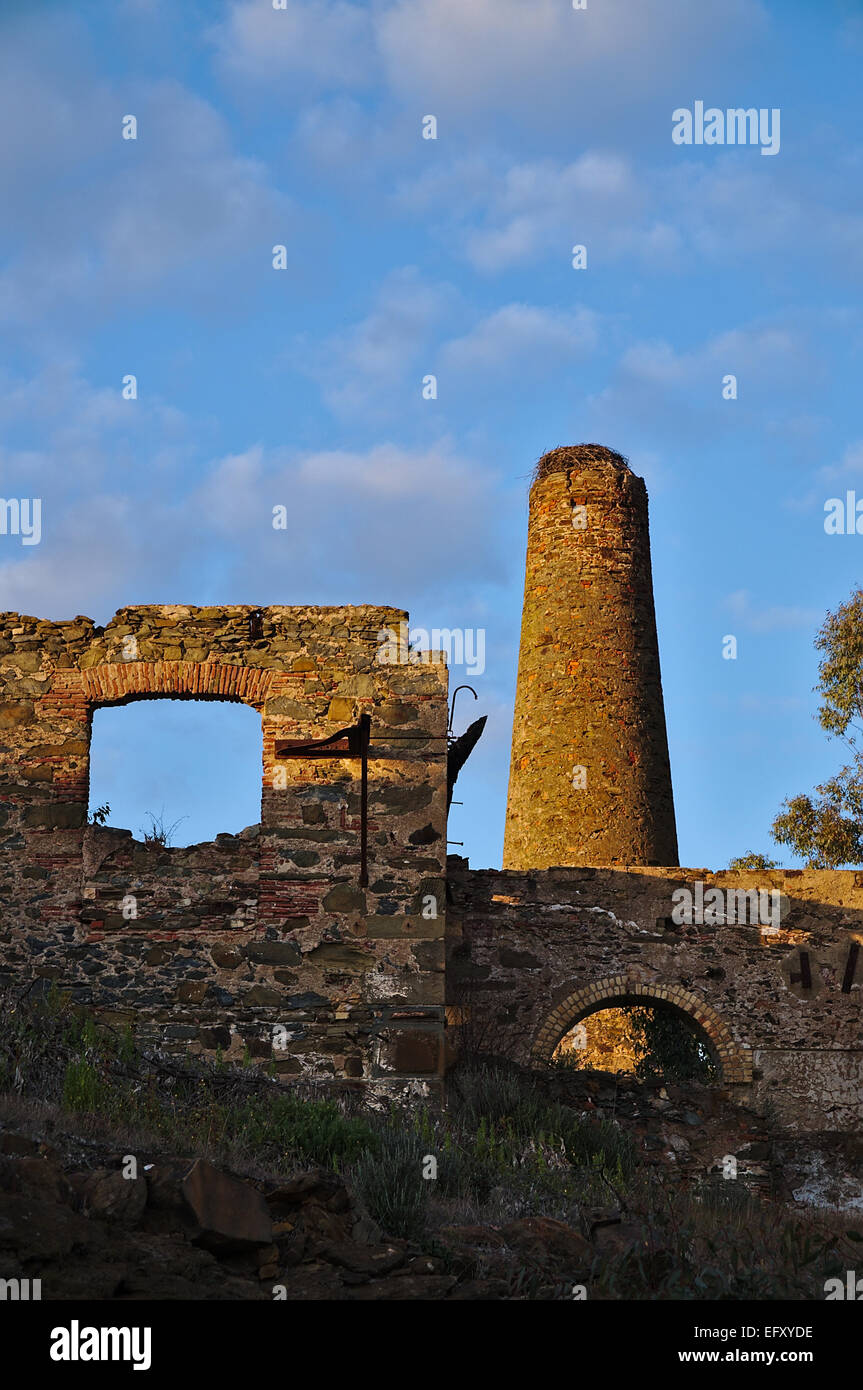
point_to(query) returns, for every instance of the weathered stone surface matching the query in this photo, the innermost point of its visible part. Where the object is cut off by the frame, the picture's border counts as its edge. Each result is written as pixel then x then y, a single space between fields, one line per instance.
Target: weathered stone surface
pixel 589 692
pixel 593 940
pixel 374 1260
pixel 111 1196
pixel 227 957
pixel 540 1238
pixel 340 956
pixel 43 1229
pixel 428 1286
pixel 267 943
pixel 344 897
pixel 261 994
pixel 416 1052
pixel 56 816
pixel 230 1214
pixel 163 926
pixel 13 714
pixel 274 953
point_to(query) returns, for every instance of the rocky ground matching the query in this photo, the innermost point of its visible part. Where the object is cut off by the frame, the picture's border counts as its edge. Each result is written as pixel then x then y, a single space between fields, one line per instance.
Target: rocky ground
pixel 181 1227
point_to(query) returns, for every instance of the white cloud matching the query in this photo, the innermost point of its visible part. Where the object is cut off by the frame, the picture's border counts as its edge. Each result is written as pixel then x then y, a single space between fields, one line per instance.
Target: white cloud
pixel 768 618
pixel 309 45
pixel 727 212
pixel 160 213
pixel 372 367
pixel 367 368
pixel 342 137
pixel 499 216
pixel 768 352
pixel 230 497
pixel 539 61
pixel 677 392
pixel 87 435
pixel 515 74
pixel 387 524
pixel 850 465
pixel 523 335
pixel 131 512
pixel 540 208
pixel 94 555
pixel 376 525
pixel 485 64
pixel 390 472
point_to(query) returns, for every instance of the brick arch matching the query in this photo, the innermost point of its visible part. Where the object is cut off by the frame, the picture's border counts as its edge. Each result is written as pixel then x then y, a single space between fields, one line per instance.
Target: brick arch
pixel 735 1061
pixel 114 682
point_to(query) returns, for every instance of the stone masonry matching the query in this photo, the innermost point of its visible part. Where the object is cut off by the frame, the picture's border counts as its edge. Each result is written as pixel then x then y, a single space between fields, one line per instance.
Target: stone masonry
pixel 531 954
pixel 272 943
pixel 590 781
pixel 265 941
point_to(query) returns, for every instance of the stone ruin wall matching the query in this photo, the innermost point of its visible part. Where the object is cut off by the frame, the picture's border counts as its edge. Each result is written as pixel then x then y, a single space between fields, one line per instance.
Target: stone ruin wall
pixel 530 954
pixel 264 931
pixel 270 930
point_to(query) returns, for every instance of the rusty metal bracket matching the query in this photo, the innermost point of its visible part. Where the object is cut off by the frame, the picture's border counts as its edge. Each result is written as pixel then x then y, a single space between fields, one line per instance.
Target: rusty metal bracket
pixel 449 731
pixel 352 742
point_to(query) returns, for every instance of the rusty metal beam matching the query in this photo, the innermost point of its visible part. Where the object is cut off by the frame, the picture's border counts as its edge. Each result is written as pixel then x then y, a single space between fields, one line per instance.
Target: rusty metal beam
pixel 352 742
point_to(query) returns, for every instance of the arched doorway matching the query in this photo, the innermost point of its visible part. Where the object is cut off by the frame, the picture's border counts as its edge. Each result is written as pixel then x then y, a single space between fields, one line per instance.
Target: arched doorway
pixel 734 1062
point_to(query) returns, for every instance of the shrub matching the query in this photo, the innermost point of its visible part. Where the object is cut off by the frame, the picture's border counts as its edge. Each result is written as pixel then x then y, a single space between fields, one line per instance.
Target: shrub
pixel 82 1087
pixel 669 1047
pixel 307 1131
pixel 390 1182
pixel 752 860
pixel 486 1093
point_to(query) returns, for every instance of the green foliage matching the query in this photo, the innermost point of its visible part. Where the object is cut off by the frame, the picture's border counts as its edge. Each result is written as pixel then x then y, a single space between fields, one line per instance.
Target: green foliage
pixel 669 1047
pixel 489 1092
pixel 600 1143
pixel 126 1051
pixel 159 834
pixel 82 1087
pixel 101 814
pixel 565 1062
pixel 840 672
pixel 307 1131
pixel 51 1049
pixel 827 830
pixel 752 861
pixel 389 1181
pixel 716 1244
pixel 505 1132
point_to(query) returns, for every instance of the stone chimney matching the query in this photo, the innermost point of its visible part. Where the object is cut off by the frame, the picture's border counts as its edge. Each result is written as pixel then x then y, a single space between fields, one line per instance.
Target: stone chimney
pixel 590 780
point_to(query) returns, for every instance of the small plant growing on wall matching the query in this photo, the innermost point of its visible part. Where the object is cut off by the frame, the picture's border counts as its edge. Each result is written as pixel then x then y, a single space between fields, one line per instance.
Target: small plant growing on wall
pixel 753 861
pixel 158 834
pixel 101 814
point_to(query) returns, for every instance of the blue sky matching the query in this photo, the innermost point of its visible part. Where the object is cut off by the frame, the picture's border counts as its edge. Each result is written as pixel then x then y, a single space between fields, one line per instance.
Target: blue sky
pixel 406 256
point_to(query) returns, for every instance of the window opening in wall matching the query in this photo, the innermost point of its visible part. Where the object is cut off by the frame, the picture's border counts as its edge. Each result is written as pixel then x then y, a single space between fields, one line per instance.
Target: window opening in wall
pixel 188 768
